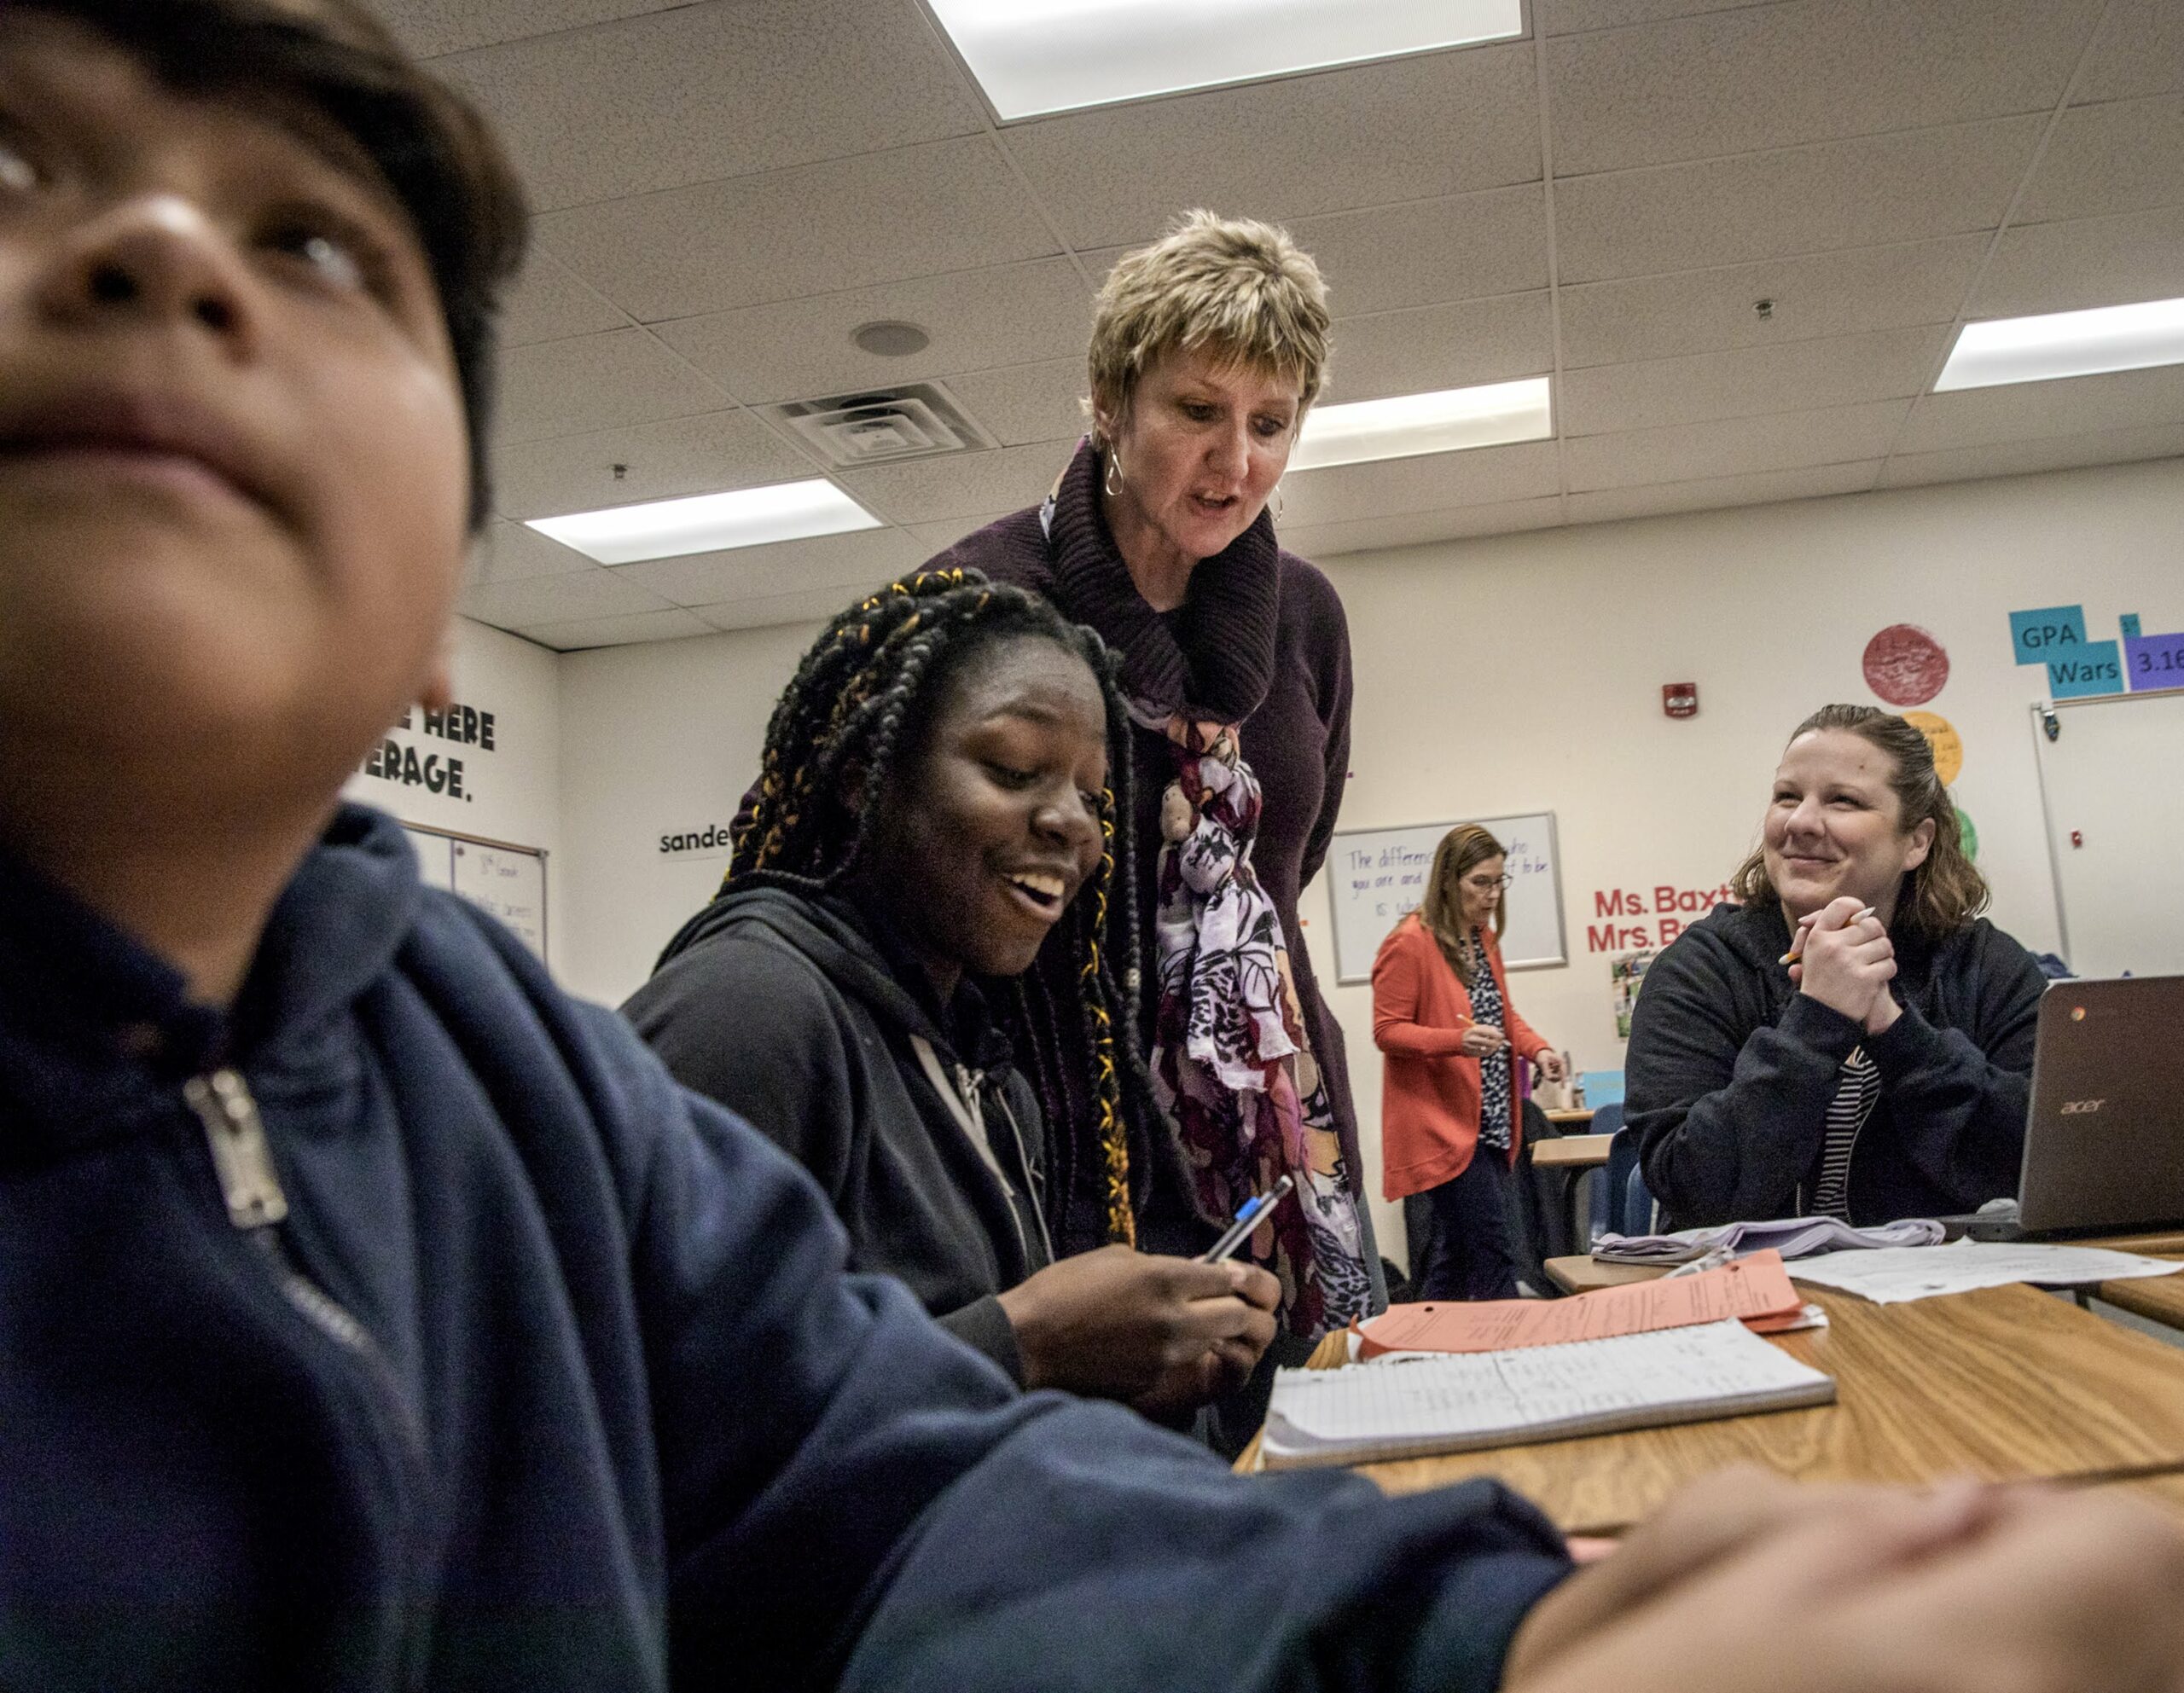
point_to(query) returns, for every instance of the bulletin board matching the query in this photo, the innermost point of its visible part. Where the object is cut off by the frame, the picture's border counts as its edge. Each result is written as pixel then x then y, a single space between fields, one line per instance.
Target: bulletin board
pixel 497 877
pixel 1376 877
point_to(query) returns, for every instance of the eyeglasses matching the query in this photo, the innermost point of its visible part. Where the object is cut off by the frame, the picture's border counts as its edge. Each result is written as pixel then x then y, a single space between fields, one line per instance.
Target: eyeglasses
pixel 1482 882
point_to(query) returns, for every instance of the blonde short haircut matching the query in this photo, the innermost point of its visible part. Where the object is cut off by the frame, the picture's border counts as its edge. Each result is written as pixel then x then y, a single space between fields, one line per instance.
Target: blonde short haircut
pixel 1242 289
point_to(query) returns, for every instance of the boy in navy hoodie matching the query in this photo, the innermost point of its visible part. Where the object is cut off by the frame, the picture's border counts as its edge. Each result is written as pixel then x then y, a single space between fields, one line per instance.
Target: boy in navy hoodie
pixel 371 1316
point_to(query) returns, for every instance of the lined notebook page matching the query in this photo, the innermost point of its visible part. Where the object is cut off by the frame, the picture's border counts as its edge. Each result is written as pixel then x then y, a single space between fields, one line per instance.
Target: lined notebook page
pixel 1420 1404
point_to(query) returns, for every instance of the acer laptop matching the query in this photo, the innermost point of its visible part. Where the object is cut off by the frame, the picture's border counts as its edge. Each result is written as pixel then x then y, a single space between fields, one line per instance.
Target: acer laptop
pixel 2103 1137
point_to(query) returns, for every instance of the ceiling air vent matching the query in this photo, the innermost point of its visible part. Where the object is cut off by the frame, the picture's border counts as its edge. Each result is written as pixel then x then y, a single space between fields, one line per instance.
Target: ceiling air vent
pixel 920 421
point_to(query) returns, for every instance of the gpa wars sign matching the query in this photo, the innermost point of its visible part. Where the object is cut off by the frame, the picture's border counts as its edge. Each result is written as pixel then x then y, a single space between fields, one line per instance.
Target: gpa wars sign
pixel 429 767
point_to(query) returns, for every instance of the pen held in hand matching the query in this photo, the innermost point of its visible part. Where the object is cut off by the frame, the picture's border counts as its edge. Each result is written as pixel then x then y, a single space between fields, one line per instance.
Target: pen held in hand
pixel 1797 952
pixel 1254 1212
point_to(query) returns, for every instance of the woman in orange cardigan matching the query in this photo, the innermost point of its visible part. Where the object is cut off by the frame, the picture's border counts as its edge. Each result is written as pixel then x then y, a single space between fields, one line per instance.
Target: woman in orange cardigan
pixel 1441 1014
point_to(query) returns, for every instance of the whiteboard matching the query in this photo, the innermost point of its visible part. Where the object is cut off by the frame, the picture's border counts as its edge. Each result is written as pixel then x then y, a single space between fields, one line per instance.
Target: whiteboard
pixel 1377 876
pixel 507 882
pixel 2114 776
pixel 435 858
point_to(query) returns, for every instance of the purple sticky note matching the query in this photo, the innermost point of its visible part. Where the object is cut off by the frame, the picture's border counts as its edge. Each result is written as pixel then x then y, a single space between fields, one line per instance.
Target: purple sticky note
pixel 2154 661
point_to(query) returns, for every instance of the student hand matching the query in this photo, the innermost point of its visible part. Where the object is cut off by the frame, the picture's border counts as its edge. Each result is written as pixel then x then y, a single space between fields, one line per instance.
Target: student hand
pixel 1551 1067
pixel 1482 1040
pixel 1117 1324
pixel 1845 964
pixel 1871 1591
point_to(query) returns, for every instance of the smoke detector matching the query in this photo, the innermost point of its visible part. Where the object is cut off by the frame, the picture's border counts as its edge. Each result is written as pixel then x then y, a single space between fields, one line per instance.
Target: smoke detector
pixel 923 420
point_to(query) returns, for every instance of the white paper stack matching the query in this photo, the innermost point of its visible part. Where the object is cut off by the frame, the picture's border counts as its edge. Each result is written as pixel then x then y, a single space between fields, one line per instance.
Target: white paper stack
pixel 1427 1403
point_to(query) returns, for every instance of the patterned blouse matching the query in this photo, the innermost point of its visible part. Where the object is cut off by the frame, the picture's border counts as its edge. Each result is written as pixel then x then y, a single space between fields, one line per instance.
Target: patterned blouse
pixel 1493 1071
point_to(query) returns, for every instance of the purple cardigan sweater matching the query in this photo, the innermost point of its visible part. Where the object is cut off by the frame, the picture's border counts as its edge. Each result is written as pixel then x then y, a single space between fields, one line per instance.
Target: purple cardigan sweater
pixel 1262 642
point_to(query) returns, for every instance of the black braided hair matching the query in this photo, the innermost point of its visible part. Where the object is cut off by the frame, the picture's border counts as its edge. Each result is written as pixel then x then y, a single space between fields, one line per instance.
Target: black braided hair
pixel 861 695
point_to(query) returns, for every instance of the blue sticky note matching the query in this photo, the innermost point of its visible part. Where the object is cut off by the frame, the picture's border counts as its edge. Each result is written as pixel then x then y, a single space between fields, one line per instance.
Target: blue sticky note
pixel 2130 622
pixel 2094 668
pixel 2056 632
pixel 2155 661
pixel 1602 1086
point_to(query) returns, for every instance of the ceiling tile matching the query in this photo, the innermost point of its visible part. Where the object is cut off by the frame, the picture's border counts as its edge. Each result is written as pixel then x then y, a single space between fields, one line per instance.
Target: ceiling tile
pixel 1837 294
pixel 429 27
pixel 2027 411
pixel 938 538
pixel 2125 156
pixel 837 564
pixel 1458 248
pixel 1025 403
pixel 1432 483
pixel 805 605
pixel 1689 452
pixel 623 631
pixel 797 350
pixel 557 599
pixel 508 552
pixel 1866 192
pixel 2141 51
pixel 1760 488
pixel 1366 135
pixel 1567 17
pixel 1417 529
pixel 2086 262
pixel 1441 346
pixel 2017 458
pixel 926 490
pixel 1750 381
pixel 592 381
pixel 947 205
pixel 706 454
pixel 549 304
pixel 1817 70
pixel 702 92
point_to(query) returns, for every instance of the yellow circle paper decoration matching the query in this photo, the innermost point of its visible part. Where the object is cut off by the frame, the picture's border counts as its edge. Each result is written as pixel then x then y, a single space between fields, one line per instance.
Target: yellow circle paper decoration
pixel 1941 735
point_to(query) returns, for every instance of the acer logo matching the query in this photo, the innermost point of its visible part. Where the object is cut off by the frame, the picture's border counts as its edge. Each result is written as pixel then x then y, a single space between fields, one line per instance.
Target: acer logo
pixel 2082 1108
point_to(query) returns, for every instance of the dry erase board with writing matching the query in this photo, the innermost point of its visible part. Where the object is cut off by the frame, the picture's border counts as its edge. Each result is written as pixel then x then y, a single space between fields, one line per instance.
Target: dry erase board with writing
pixel 508 881
pixel 1377 876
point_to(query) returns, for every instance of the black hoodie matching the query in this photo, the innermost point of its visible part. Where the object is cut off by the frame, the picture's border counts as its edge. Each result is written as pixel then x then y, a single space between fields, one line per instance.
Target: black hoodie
pixel 1731 1071
pixel 803 1016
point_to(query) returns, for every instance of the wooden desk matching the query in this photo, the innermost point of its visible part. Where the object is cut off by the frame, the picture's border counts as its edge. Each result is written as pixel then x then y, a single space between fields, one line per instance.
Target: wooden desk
pixel 2006 1383
pixel 2160 1299
pixel 1564 1116
pixel 1584 1274
pixel 1572 1151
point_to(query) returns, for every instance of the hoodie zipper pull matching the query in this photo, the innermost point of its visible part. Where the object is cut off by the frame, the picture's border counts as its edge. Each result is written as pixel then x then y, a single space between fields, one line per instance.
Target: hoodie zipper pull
pixel 241 1157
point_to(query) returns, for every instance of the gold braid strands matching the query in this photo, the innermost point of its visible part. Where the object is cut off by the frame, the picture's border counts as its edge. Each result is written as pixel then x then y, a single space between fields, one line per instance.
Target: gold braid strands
pixel 1114 1141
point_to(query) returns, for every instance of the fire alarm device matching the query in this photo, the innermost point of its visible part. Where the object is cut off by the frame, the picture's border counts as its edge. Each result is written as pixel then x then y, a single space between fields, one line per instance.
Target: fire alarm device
pixel 1680 699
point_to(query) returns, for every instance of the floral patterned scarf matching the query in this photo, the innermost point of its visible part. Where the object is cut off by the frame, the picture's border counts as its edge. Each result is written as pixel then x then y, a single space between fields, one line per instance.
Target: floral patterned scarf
pixel 1230 1055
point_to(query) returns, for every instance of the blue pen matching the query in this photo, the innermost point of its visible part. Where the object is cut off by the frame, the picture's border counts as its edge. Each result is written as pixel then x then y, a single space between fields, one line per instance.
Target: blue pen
pixel 1246 1220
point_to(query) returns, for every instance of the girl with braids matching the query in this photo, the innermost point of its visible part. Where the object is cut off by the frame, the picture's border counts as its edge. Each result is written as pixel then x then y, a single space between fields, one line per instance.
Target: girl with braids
pixel 1884 1071
pixel 934 804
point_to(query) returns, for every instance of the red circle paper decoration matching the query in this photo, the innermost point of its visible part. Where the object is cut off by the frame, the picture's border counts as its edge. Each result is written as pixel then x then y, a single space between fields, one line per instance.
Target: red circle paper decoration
pixel 1905 665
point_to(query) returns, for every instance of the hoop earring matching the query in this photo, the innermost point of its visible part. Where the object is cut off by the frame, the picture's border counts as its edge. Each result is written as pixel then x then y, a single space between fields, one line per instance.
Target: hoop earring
pixel 1113 482
pixel 1281 505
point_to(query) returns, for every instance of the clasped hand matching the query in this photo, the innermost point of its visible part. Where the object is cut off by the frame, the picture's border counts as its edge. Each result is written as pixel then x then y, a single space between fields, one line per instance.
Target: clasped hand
pixel 1848 963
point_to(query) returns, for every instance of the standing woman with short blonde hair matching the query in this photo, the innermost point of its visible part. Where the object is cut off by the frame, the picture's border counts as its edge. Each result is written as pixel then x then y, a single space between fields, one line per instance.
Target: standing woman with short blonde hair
pixel 1449 1124
pixel 1207 350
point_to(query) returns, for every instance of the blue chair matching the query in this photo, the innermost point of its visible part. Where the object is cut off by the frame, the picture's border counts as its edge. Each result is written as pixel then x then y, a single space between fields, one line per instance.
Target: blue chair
pixel 1611 1182
pixel 1637 1203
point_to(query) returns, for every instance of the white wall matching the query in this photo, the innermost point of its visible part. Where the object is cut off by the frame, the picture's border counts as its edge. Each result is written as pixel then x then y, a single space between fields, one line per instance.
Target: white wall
pixel 1549 651
pixel 657 741
pixel 511 792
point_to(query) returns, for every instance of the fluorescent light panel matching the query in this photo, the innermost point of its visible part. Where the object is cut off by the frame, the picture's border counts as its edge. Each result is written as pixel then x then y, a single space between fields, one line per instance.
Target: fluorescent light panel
pixel 1057 55
pixel 709 522
pixel 1412 423
pixel 2065 344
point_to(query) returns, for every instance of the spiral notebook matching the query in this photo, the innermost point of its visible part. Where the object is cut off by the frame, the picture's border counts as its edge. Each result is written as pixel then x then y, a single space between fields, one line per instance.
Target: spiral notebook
pixel 1415 1405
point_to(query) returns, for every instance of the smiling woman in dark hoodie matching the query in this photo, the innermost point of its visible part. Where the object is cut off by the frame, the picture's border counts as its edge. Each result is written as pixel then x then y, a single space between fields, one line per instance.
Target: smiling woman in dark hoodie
pixel 934 802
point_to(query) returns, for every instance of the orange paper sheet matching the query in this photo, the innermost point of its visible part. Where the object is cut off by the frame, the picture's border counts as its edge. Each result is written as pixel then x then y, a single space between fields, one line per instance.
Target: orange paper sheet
pixel 1755 1289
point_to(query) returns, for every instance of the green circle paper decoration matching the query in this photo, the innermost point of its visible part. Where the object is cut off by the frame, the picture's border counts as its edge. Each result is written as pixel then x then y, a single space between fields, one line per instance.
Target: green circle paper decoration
pixel 1969 835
